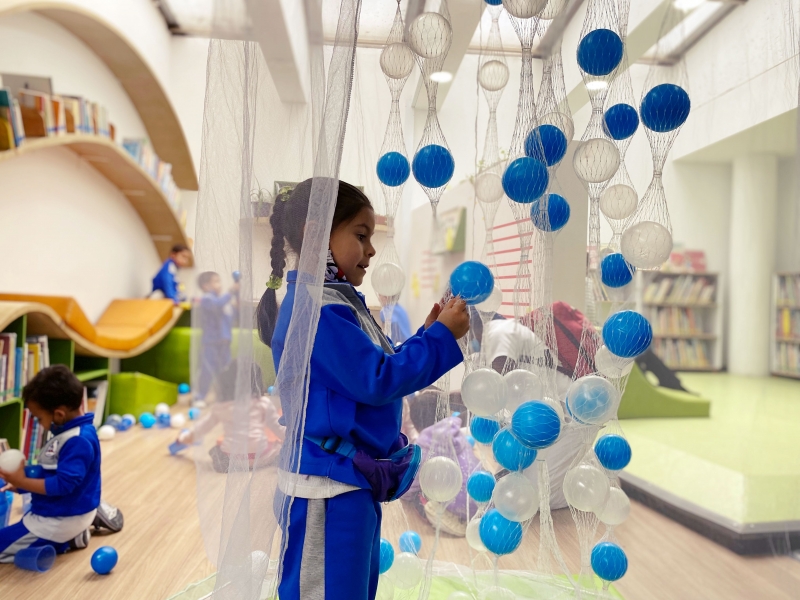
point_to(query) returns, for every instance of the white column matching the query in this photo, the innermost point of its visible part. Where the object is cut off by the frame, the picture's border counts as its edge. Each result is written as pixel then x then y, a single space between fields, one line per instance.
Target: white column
pixel 751 263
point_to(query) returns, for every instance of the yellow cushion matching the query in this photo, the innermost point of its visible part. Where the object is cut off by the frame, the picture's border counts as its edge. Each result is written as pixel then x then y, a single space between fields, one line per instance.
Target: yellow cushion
pixel 150 315
pixel 120 338
pixel 67 309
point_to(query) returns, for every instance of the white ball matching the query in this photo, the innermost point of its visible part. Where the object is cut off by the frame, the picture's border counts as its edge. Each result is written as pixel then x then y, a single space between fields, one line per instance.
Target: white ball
pixel 397 60
pixel 616 509
pixel 385 588
pixel 553 9
pixel 406 570
pixel 524 9
pixel 430 35
pixel 388 279
pixel 440 479
pixel 646 245
pixel 592 400
pixel 177 421
pixel 474 535
pixel 611 365
pixel 586 488
pixel 618 201
pixel 493 302
pixel 161 409
pixel 522 386
pixel 516 497
pixel 560 120
pixel 596 160
pixel 106 432
pixel 489 187
pixel 129 416
pixel 483 392
pixel 10 460
pixel 493 75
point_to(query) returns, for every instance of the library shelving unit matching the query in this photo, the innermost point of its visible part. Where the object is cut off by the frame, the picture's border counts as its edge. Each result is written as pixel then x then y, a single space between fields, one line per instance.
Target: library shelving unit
pixel 785 333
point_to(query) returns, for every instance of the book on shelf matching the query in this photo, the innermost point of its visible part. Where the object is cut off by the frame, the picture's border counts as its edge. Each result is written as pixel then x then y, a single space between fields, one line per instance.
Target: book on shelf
pixel 788 358
pixel 37 113
pixel 688 354
pixel 21 370
pixel 9 354
pixel 10 112
pixel 685 289
pixel 675 320
pixel 142 152
pixel 788 290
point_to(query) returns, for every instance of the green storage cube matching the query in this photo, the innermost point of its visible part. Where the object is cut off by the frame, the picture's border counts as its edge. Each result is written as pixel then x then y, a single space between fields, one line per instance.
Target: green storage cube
pixel 136 393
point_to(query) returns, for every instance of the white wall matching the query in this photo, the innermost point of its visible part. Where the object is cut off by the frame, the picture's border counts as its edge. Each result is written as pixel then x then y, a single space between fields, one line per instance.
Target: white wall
pixel 187 89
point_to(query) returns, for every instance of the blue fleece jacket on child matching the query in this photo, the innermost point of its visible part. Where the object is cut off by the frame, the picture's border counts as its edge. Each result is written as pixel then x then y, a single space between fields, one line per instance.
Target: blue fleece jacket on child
pixel 165 281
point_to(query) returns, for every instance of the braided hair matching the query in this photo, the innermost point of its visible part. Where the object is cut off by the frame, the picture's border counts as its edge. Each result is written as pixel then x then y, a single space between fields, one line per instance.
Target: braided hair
pixel 288 221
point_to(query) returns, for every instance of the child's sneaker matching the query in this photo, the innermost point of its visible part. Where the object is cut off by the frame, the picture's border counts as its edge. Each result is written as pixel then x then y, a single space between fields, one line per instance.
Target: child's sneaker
pixel 80 541
pixel 108 517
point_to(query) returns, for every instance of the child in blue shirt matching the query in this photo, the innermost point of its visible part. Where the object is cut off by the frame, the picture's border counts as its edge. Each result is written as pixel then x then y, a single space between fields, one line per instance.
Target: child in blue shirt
pixel 179 258
pixel 214 317
pixel 65 485
pixel 355 400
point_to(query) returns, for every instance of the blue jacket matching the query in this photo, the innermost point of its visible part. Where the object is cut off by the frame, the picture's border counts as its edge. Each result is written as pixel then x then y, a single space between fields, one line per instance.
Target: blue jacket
pixel 356 389
pixel 70 464
pixel 215 318
pixel 165 280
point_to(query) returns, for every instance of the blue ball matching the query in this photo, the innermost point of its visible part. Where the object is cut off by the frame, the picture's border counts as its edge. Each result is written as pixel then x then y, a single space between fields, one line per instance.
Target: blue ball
pixel 483 429
pixel 183 388
pixel 494 2
pixel 621 121
pixel 558 212
pixel 164 419
pixel 536 424
pixel 237 276
pixel 393 169
pixel 498 534
pixel 665 107
pixel 147 420
pixel 480 486
pixel 613 451
pixel 470 440
pixel 387 556
pixel 510 453
pixel 609 561
pixel 547 144
pixel 410 541
pixel 104 559
pixel 472 281
pixel 271 390
pixel 599 52
pixel 433 166
pixel 627 334
pixel 125 424
pixel 525 180
pixel 194 413
pixel 615 271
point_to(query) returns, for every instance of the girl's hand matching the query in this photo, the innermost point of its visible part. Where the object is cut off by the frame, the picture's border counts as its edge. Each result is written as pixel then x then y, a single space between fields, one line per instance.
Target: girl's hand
pixel 455 317
pixel 434 314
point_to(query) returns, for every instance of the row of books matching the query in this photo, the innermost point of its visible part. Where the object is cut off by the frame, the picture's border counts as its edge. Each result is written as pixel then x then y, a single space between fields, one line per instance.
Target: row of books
pixel 789 290
pixel 18 365
pixel 687 354
pixel 788 358
pixel 788 325
pixel 144 155
pixel 675 320
pixel 687 289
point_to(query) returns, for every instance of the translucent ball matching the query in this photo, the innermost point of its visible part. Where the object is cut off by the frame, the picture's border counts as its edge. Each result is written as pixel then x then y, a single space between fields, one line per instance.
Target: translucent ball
pixel 616 509
pixel 387 556
pixel 627 333
pixel 592 400
pixel 599 52
pixel 522 386
pixel 474 535
pixel 480 486
pixel 397 60
pixel 177 421
pixel 613 451
pixel 129 417
pixel 393 169
pixel 433 165
pixel 536 425
pixel 493 303
pixel 618 201
pixel 407 571
pixel 596 160
pixel 429 35
pixel 526 179
pixel 613 367
pixel 385 588
pixel 483 392
pixel 489 187
pixel 388 279
pixel 493 75
pixel 483 429
pixel 615 271
pixel 646 245
pixel 410 541
pixel 500 535
pixel 510 453
pixel 524 9
pixel 609 561
pixel 106 432
pixel 553 9
pixel 560 120
pixel 586 488
pixel 114 420
pixel 516 497
pixel 10 460
pixel 161 409
pixel 440 479
pixel 665 107
pixel 472 281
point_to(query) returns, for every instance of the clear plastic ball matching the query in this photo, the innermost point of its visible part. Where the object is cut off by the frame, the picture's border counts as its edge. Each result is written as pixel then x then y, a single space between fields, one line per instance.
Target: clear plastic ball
pixel 10 460
pixel 493 303
pixel 586 488
pixel 397 60
pixel 161 409
pixel 483 392
pixel 440 478
pixel 524 9
pixel 177 421
pixel 429 35
pixel 618 201
pixel 611 365
pixel 596 160
pixel 616 509
pixel 592 400
pixel 553 9
pixel 646 245
pixel 489 187
pixel 388 279
pixel 474 535
pixel 560 120
pixel 385 588
pixel 493 75
pixel 406 571
pixel 522 386
pixel 516 497
pixel 106 432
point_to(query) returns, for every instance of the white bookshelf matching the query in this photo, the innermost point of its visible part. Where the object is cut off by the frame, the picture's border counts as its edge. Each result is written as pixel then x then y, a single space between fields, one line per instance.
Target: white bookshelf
pixel 785 331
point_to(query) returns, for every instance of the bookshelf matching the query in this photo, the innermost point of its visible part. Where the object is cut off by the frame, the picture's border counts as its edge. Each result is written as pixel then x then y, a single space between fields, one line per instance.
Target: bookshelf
pixel 785 333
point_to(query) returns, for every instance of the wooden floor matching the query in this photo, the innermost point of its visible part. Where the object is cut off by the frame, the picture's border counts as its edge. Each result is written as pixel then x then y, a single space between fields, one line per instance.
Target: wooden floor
pixel 161 550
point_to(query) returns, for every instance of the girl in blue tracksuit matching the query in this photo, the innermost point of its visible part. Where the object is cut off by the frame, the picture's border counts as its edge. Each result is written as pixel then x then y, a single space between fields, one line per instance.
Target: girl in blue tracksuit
pixel 355 402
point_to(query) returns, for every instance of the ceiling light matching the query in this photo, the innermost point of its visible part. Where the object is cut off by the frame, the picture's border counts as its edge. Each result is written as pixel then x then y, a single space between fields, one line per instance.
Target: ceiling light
pixel 442 77
pixel 594 86
pixel 687 5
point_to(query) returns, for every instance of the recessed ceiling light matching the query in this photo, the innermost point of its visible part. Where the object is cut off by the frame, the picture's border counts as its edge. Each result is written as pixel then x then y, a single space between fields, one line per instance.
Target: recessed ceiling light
pixel 442 77
pixel 594 86
pixel 687 5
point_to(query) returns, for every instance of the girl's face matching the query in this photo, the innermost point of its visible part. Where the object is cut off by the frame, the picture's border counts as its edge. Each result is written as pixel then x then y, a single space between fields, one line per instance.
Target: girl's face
pixel 351 245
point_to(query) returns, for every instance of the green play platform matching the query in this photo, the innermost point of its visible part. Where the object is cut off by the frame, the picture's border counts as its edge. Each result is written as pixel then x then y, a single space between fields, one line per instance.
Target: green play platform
pixel 642 399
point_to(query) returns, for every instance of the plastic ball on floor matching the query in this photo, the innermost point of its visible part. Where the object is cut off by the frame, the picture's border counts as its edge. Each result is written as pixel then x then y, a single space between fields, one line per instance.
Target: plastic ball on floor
pixel 440 478
pixel 616 509
pixel 592 400
pixel 483 429
pixel 613 451
pixel 556 215
pixel 472 281
pixel 516 497
pixel 164 419
pixel 546 143
pixel 131 419
pixel 114 420
pixel 410 541
pixel 387 556
pixel 480 486
pixel 184 388
pixel 665 107
pixel 599 52
pixel 621 121
pixel 500 535
pixel 393 169
pixel 104 559
pixel 483 392
pixel 586 488
pixel 194 413
pixel 615 271
pixel 627 333
pixel 536 424
pixel 407 570
pixel 161 408
pixel 609 561
pixel 106 432
pixel 177 421
pixel 10 460
pixel 525 180
pixel 147 420
pixel 433 166
pixel 510 453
